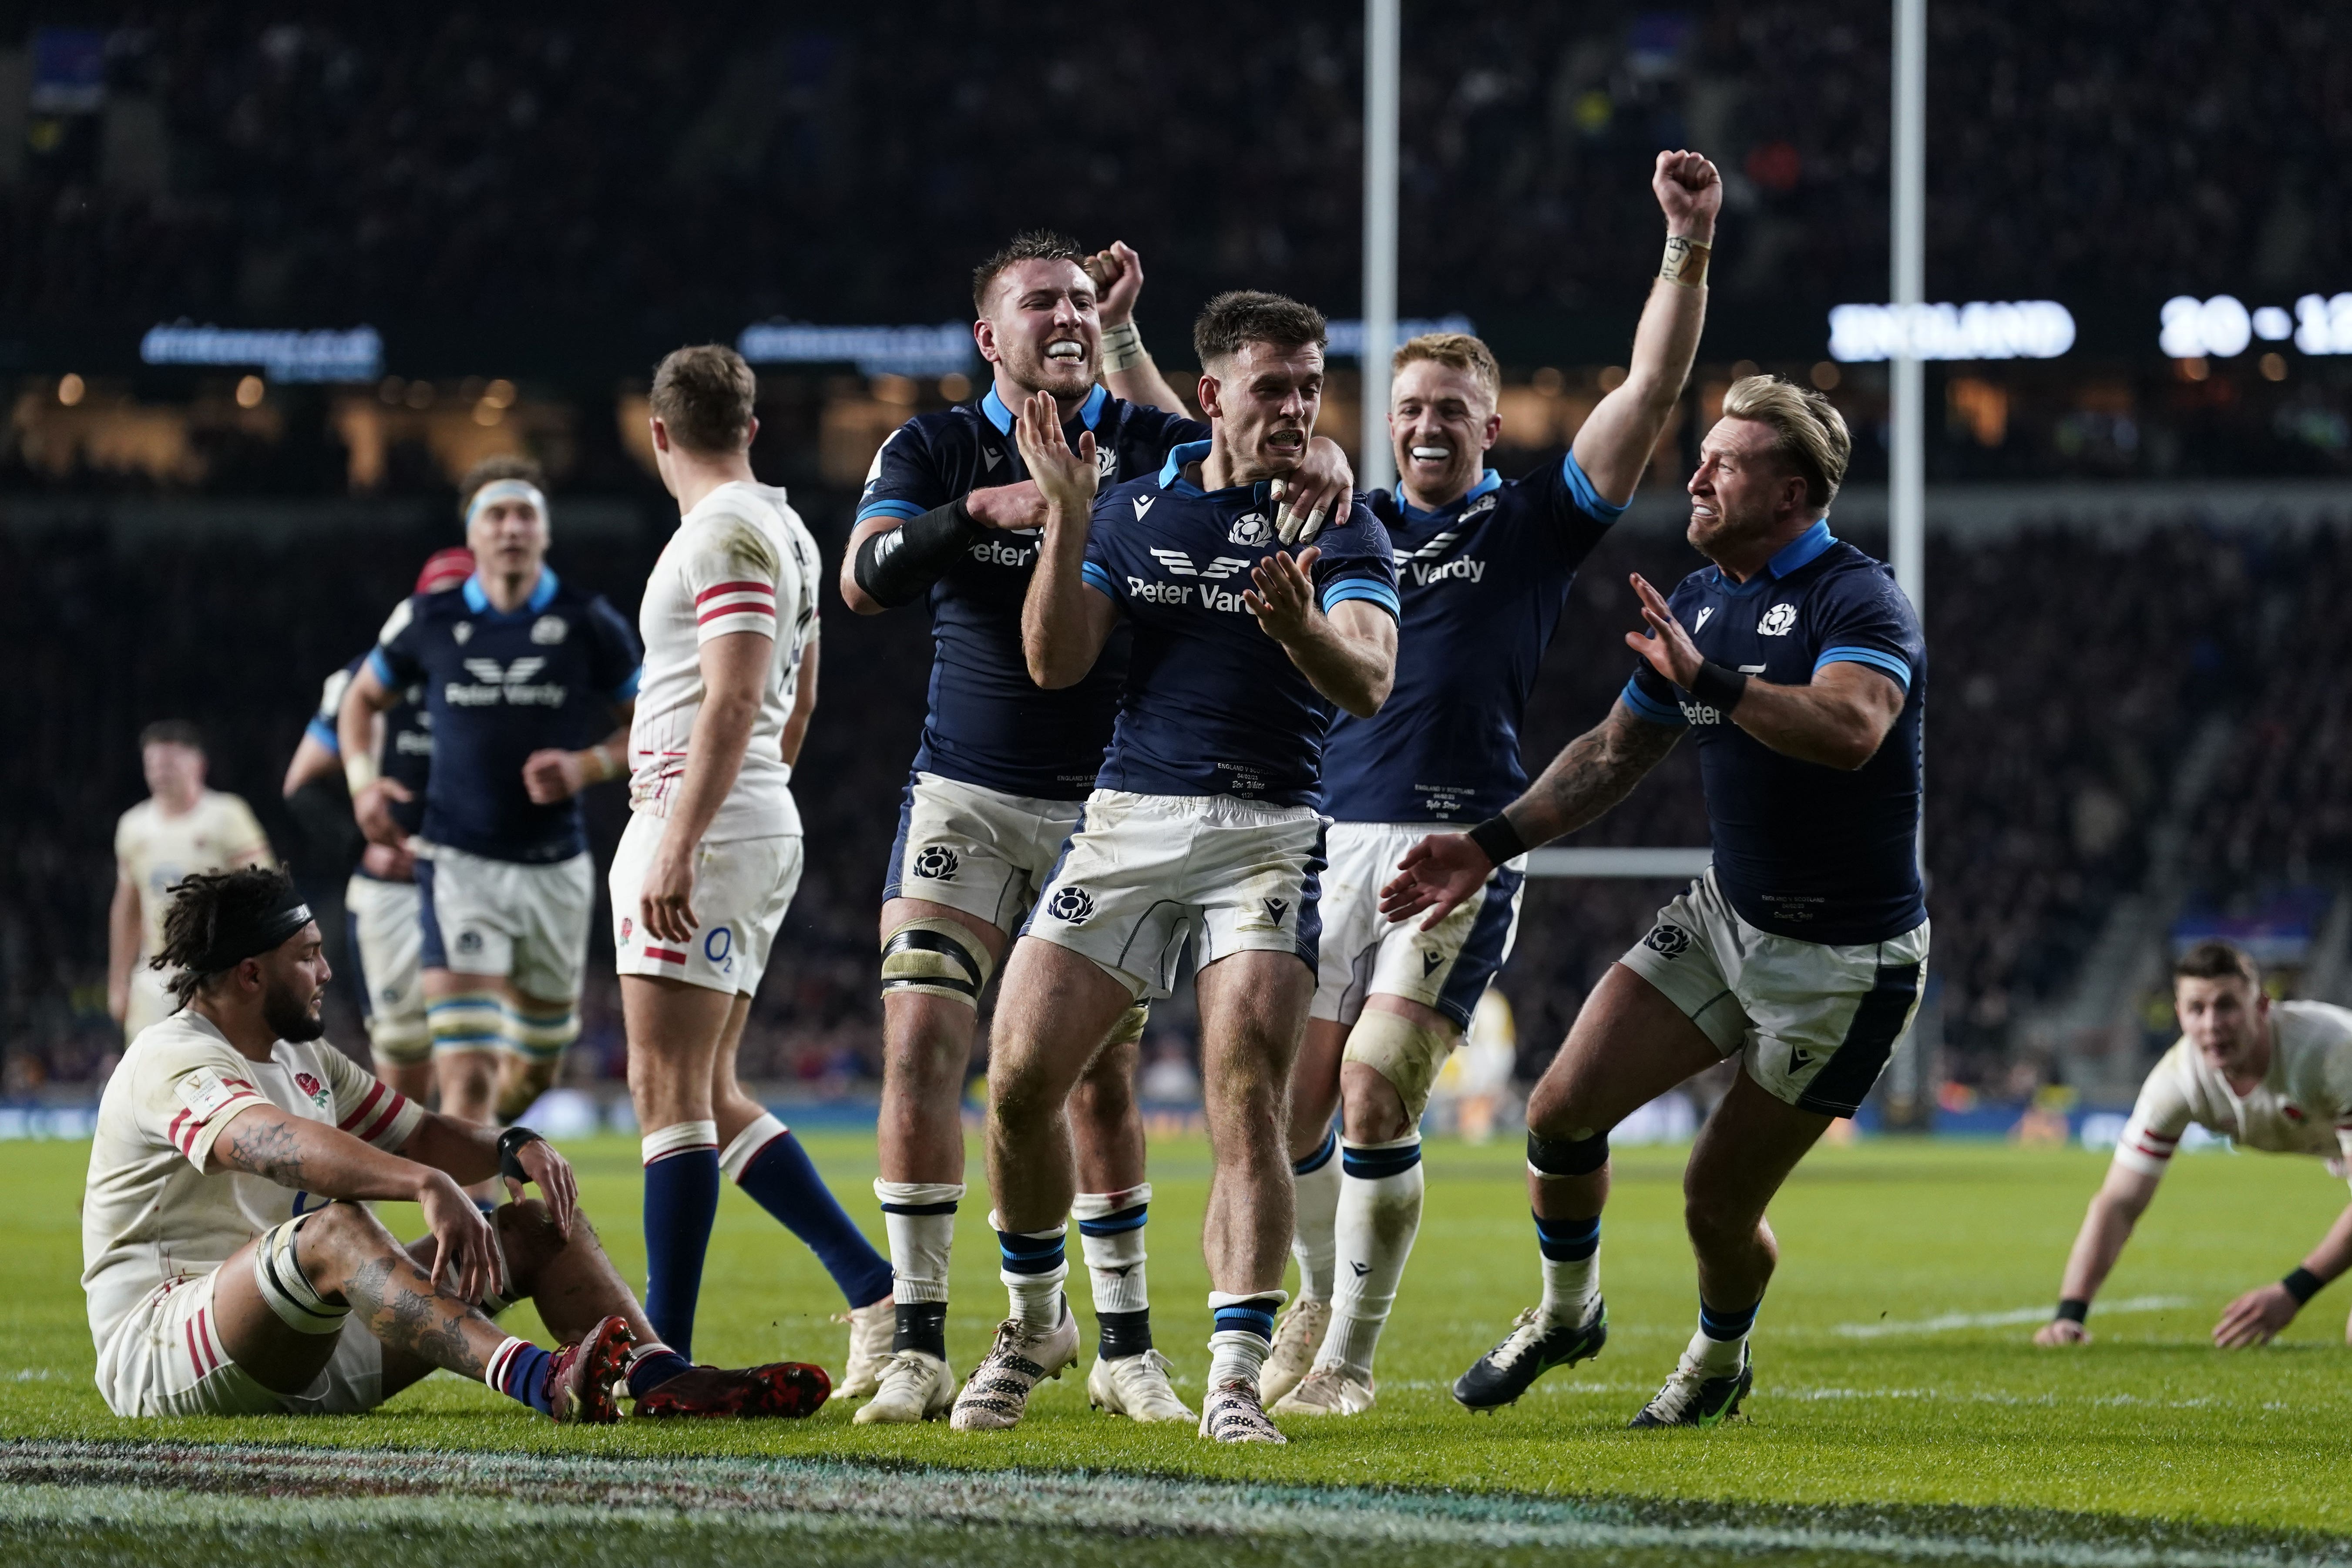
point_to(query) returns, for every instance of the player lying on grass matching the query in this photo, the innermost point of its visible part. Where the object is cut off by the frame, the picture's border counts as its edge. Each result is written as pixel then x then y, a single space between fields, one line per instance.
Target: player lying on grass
pixel 230 1267
pixel 1799 670
pixel 2271 1076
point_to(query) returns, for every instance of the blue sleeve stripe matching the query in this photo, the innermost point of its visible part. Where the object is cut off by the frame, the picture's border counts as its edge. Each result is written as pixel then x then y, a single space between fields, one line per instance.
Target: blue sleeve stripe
pixel 627 690
pixel 1649 707
pixel 1366 588
pixel 902 509
pixel 1100 581
pixel 324 733
pixel 1588 500
pixel 1890 663
pixel 381 668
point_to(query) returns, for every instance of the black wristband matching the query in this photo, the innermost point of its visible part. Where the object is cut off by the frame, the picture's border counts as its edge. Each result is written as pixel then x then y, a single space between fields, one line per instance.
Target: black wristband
pixel 895 566
pixel 2072 1309
pixel 1498 839
pixel 511 1143
pixel 1718 687
pixel 2303 1285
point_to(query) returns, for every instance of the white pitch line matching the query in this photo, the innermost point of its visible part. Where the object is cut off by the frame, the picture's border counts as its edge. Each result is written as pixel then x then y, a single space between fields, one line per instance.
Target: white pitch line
pixel 1952 1320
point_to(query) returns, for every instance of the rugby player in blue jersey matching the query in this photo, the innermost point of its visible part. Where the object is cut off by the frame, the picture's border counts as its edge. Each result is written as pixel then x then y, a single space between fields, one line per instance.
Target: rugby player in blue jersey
pixel 1203 825
pixel 1484 566
pixel 1799 666
pixel 949 515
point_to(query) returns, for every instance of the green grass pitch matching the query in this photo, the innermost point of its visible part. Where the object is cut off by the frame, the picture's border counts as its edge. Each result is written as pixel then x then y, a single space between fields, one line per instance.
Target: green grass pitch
pixel 1896 1413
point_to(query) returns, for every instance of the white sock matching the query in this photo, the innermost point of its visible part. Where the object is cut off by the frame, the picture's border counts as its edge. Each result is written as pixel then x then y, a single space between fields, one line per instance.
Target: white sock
pixel 1244 1333
pixel 1036 1297
pixel 1311 1240
pixel 1572 1285
pixel 919 1240
pixel 1379 1217
pixel 1110 1237
pixel 1720 1358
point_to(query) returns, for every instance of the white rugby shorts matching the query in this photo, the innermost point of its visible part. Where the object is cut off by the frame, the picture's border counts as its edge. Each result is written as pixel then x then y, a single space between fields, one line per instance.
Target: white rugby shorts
pixel 1448 968
pixel 502 917
pixel 166 1358
pixel 390 940
pixel 742 889
pixel 978 851
pixel 1145 871
pixel 1813 1023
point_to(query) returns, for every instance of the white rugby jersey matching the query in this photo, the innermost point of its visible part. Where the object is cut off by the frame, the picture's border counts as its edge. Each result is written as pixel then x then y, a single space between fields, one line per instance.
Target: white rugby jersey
pixel 154 850
pixel 741 561
pixel 150 1215
pixel 2303 1106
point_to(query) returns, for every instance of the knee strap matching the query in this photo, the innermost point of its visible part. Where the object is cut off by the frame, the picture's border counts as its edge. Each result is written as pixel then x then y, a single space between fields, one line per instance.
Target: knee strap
pixel 466 1021
pixel 1129 1030
pixel 541 1036
pixel 400 1039
pixel 937 957
pixel 1566 1156
pixel 1407 1054
pixel 278 1274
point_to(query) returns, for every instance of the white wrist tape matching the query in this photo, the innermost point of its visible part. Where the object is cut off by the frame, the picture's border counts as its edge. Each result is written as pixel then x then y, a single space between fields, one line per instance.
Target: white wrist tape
pixel 1685 261
pixel 1122 347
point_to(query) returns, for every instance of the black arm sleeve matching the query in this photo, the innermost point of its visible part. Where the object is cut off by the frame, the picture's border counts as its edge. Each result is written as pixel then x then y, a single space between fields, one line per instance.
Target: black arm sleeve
pixel 895 566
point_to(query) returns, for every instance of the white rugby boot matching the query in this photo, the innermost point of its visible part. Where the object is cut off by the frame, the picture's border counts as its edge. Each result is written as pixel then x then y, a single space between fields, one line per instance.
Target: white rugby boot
pixel 915 1385
pixel 997 1395
pixel 1232 1414
pixel 1297 1335
pixel 871 1328
pixel 1326 1391
pixel 1137 1387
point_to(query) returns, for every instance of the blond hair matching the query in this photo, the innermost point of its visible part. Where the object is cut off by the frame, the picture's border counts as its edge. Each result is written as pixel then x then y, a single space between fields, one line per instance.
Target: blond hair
pixel 1809 431
pixel 1455 351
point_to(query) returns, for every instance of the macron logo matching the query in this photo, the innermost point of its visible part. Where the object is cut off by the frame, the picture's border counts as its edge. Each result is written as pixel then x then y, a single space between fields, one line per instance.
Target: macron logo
pixel 1142 505
pixel 991 456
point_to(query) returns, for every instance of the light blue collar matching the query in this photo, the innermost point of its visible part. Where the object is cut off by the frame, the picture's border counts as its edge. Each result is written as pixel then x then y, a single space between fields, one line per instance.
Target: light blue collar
pixel 993 407
pixel 1800 551
pixel 479 601
pixel 1489 480
pixel 1171 472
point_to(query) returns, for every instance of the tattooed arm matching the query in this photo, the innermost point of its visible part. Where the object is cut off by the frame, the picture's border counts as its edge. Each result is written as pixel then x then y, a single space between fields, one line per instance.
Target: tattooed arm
pixel 1593 772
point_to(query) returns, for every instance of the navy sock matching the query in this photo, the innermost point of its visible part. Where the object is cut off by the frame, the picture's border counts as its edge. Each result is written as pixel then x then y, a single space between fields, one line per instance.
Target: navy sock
pixel 1719 1325
pixel 1567 1240
pixel 522 1375
pixel 1320 1157
pixel 782 1179
pixel 648 1372
pixel 681 1201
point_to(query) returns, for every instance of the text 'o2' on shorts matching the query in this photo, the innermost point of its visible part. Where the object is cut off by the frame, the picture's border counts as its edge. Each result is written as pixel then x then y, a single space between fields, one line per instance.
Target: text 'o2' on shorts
pixel 504 918
pixel 978 851
pixel 1813 1023
pixel 388 936
pixel 742 889
pixel 1363 954
pixel 1143 872
pixel 166 1358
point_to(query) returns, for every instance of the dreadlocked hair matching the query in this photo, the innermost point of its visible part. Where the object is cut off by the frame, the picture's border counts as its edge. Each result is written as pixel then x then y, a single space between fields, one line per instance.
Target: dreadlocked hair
pixel 202 903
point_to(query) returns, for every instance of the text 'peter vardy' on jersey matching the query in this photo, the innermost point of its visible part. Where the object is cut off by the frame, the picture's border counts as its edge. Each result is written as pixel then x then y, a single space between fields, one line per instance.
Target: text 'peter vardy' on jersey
pixel 988 723
pixel 1212 705
pixel 1801 849
pixel 498 687
pixel 1482 583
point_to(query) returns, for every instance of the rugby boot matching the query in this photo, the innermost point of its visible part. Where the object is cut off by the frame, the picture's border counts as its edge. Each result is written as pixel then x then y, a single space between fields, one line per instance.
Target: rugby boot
pixel 1691 1398
pixel 998 1392
pixel 870 1331
pixel 1326 1391
pixel 1297 1335
pixel 1532 1348
pixel 916 1385
pixel 1137 1387
pixel 1232 1414
pixel 783 1389
pixel 579 1379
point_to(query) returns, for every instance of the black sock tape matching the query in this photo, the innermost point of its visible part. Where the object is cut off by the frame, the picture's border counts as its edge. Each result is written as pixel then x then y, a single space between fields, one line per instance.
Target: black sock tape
pixel 1568 1156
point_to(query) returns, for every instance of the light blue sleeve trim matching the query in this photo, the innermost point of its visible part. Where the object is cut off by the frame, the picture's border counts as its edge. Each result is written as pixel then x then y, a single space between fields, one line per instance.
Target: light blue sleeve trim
pixel 324 733
pixel 903 510
pixel 1100 581
pixel 1366 588
pixel 627 690
pixel 1649 707
pixel 381 667
pixel 1872 657
pixel 1588 500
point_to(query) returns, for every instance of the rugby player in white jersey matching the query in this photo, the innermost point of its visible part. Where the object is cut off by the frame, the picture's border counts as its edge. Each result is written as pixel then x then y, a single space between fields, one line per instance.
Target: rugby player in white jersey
pixel 2273 1076
pixel 712 854
pixel 230 1265
pixel 181 828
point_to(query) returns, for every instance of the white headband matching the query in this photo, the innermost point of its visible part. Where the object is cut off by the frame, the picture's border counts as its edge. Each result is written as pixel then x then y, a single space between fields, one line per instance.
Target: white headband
pixel 506 489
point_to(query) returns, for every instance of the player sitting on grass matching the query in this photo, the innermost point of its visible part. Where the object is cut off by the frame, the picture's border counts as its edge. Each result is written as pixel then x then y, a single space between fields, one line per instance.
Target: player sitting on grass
pixel 2271 1076
pixel 229 1265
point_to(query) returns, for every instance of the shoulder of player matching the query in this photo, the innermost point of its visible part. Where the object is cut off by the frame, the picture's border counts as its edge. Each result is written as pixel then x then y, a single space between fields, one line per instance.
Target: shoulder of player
pixel 2315 1028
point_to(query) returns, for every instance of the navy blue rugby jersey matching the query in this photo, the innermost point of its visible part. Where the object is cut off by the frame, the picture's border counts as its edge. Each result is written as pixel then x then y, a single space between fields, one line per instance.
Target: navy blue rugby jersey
pixel 499 687
pixel 1482 583
pixel 407 758
pixel 1801 849
pixel 1212 705
pixel 988 723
